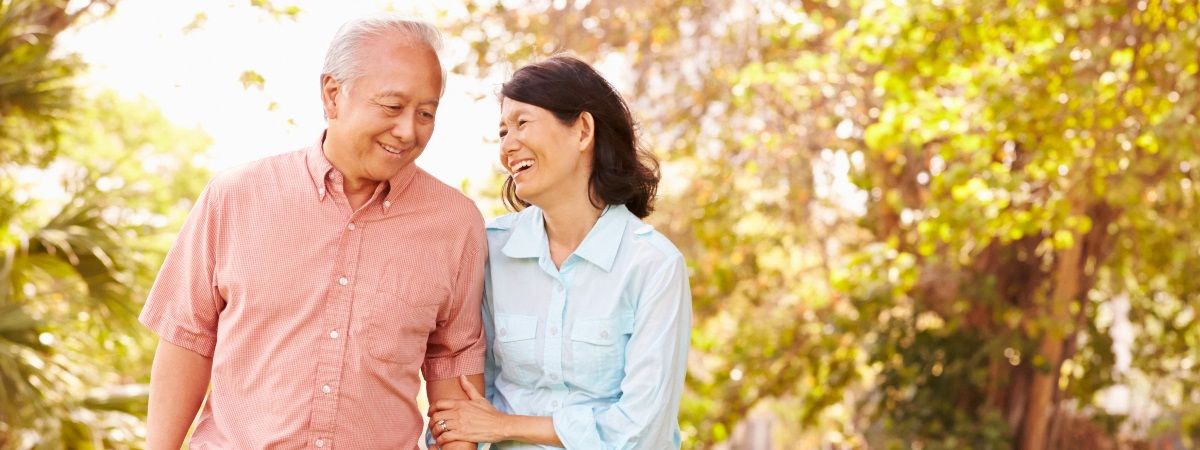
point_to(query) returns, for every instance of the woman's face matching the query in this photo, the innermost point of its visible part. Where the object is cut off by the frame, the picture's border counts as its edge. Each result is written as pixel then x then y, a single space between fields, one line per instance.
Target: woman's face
pixel 546 159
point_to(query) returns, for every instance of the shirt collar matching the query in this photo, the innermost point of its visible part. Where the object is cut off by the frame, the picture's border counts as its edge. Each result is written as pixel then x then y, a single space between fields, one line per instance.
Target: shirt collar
pixel 599 247
pixel 398 183
pixel 319 168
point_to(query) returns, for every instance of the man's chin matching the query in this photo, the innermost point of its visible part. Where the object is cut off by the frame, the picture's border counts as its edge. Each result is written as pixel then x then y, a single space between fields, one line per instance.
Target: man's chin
pixel 392 169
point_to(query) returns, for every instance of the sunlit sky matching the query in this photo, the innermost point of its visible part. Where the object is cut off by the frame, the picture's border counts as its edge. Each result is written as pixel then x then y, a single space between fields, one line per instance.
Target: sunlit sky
pixel 193 75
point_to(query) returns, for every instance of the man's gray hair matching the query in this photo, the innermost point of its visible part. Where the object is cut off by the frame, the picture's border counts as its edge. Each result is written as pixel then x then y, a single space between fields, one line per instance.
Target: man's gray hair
pixel 343 60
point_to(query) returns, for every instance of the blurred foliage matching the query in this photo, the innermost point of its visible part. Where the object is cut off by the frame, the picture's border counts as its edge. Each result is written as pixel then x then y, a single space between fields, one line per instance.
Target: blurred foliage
pixel 91 189
pixel 911 224
pixel 279 13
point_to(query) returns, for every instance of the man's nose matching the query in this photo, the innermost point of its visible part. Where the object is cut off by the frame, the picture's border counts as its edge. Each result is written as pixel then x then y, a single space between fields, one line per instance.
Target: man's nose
pixel 405 128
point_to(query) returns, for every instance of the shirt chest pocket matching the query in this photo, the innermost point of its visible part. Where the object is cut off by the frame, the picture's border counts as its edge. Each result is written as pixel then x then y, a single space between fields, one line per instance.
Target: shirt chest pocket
pixel 598 351
pixel 401 314
pixel 515 347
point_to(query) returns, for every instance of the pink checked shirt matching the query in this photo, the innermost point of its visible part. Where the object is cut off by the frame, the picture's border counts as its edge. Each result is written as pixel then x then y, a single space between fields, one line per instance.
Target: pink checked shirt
pixel 317 318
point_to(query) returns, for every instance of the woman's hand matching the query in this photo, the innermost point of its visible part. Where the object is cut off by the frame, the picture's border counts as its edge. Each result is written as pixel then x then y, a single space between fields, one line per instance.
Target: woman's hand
pixel 473 419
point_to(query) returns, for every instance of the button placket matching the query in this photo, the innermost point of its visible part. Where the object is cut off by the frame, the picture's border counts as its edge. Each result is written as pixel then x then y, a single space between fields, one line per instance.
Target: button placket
pixel 554 320
pixel 336 323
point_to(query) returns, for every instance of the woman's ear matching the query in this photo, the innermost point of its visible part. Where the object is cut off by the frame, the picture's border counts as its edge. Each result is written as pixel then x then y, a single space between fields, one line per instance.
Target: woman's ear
pixel 331 93
pixel 587 130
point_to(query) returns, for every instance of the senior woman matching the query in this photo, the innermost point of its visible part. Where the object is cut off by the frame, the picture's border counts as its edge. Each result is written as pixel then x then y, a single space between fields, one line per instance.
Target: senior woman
pixel 587 310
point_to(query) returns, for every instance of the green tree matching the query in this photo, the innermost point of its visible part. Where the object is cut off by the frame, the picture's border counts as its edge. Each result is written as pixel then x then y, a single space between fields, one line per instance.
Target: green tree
pixel 83 241
pixel 35 86
pixel 90 184
pixel 920 212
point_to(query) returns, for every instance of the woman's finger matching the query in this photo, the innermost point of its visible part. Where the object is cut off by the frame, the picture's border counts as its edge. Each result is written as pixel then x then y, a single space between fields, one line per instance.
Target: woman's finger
pixel 442 405
pixel 436 427
pixel 449 436
pixel 434 418
pixel 469 388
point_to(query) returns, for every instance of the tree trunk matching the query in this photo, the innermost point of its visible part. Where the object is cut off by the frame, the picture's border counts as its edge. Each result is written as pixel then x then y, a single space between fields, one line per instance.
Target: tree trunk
pixel 1044 380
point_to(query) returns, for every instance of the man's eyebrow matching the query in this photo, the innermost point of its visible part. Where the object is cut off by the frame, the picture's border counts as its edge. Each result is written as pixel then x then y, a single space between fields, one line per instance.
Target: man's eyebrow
pixel 403 97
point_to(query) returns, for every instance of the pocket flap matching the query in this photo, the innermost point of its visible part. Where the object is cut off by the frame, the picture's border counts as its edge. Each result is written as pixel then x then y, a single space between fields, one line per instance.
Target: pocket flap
pixel 600 331
pixel 515 327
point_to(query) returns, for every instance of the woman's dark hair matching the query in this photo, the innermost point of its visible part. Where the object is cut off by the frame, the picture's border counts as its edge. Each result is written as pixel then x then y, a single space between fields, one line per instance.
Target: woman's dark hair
pixel 623 173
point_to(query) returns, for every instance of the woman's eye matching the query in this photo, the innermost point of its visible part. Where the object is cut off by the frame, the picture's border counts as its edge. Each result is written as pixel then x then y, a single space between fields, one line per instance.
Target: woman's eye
pixel 521 122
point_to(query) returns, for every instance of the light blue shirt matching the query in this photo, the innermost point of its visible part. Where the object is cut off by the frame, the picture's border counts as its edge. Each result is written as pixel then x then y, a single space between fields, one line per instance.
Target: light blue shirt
pixel 601 344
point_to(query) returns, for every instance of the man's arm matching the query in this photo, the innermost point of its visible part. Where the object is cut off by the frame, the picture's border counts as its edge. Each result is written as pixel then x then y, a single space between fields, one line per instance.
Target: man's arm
pixel 450 389
pixel 178 381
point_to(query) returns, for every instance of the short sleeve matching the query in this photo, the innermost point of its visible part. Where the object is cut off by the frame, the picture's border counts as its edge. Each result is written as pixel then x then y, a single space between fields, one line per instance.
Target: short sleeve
pixel 456 347
pixel 184 303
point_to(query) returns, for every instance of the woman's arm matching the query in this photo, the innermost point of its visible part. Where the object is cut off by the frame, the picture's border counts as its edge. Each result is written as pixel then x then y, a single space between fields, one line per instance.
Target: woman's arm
pixel 647 414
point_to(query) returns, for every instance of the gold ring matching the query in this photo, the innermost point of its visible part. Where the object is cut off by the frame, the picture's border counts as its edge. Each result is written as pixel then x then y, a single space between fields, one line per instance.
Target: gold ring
pixel 442 424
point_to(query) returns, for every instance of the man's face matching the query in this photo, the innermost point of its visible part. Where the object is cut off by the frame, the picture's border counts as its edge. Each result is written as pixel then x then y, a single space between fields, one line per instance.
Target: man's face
pixel 382 123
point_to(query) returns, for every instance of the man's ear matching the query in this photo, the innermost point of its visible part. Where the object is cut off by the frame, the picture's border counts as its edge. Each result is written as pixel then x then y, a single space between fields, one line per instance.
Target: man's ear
pixel 331 93
pixel 587 130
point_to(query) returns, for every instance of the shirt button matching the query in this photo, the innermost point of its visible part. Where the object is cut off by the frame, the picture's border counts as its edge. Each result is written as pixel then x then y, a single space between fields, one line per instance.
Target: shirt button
pixel 326 389
pixel 503 332
pixel 604 334
pixel 553 331
pixel 387 204
pixel 333 334
pixel 343 281
pixel 554 404
pixel 319 443
pixel 554 377
pixel 321 191
pixel 558 288
pixel 350 226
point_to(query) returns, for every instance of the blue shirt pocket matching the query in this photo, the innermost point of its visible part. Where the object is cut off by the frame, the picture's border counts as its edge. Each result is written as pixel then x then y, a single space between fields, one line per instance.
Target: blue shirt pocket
pixel 598 353
pixel 515 347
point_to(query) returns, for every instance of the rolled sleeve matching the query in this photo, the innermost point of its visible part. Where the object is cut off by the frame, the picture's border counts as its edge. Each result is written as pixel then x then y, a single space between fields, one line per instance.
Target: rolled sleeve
pixel 456 347
pixel 184 303
pixel 646 416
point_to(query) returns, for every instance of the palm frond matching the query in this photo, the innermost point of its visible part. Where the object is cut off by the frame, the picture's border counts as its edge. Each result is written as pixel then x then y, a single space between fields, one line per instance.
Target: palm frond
pixel 92 248
pixel 22 363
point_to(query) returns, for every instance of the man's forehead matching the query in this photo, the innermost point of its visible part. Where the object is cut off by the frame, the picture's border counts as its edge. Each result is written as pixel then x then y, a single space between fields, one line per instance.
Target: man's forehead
pixel 400 69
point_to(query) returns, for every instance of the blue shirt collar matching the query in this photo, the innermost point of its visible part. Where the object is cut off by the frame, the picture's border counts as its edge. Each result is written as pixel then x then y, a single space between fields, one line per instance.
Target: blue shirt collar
pixel 528 239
